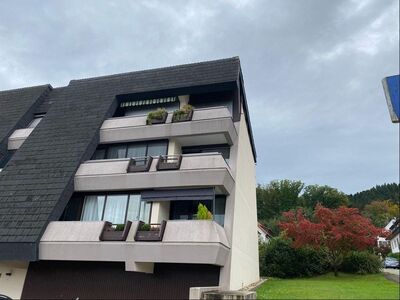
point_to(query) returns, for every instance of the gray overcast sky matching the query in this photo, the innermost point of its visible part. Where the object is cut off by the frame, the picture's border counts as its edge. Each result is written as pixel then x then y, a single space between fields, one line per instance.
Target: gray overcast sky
pixel 312 69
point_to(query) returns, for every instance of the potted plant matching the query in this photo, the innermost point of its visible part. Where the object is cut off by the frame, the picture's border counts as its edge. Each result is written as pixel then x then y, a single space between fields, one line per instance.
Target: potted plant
pixel 150 232
pixel 184 114
pixel 203 213
pixel 158 116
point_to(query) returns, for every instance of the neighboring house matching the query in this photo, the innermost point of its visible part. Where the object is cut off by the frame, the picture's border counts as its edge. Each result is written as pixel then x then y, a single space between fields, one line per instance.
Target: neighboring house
pixel 394 237
pixel 264 234
pixel 381 241
pixel 83 170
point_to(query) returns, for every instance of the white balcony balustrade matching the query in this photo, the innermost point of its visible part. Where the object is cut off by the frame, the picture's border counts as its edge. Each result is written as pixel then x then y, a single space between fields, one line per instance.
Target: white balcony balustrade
pixel 196 170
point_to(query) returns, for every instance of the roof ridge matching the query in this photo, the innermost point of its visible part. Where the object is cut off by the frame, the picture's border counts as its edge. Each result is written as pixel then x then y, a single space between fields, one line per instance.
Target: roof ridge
pixel 104 77
pixel 27 87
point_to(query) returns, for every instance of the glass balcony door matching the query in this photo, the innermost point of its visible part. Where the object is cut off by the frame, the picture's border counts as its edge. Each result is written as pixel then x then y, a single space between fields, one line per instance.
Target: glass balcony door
pixel 115 208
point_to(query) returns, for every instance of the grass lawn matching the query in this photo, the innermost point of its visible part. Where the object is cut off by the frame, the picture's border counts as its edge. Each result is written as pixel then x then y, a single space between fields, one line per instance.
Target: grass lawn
pixel 328 286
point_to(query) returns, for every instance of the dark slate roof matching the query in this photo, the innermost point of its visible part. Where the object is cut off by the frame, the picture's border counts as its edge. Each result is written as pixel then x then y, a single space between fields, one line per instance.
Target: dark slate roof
pixel 37 183
pixel 189 75
pixel 48 101
pixel 16 109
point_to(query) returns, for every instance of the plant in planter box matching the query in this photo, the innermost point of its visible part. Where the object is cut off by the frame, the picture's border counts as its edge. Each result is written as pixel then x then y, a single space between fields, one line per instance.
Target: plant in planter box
pixel 203 213
pixel 120 227
pixel 183 114
pixel 145 227
pixel 157 117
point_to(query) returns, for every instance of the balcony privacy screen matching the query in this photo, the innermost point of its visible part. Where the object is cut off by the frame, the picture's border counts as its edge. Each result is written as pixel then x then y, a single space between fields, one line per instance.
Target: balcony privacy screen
pixel 148 102
pixel 179 195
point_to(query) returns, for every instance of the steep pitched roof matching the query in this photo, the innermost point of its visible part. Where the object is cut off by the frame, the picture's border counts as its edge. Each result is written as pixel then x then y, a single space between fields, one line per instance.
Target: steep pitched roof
pixel 16 108
pixel 37 183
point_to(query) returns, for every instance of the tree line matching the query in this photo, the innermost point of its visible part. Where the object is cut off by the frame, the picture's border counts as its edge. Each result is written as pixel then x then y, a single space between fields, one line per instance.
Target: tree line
pixel 380 204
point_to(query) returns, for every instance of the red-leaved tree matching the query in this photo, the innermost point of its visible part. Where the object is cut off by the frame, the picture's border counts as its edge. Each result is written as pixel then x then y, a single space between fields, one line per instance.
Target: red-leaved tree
pixel 336 230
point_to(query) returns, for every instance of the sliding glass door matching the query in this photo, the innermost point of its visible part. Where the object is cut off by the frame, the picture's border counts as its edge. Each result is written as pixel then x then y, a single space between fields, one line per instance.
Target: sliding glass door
pixel 115 208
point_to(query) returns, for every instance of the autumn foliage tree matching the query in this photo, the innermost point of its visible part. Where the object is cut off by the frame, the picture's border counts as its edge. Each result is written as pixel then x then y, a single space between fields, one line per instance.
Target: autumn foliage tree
pixel 338 231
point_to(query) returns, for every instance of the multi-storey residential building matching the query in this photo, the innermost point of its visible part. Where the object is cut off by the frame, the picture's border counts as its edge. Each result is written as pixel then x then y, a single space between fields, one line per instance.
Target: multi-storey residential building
pixel 99 199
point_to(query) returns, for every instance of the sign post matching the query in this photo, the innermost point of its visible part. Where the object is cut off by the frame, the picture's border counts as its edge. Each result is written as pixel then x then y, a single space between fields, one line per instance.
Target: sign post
pixel 391 86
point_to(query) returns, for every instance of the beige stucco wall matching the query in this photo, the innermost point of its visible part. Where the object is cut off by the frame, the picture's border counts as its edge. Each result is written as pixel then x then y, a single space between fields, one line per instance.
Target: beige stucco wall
pixel 241 217
pixel 159 212
pixel 12 286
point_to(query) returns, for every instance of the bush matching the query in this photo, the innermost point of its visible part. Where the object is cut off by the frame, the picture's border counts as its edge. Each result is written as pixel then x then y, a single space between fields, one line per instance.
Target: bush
pixel 262 247
pixel 283 261
pixel 361 263
pixel 394 255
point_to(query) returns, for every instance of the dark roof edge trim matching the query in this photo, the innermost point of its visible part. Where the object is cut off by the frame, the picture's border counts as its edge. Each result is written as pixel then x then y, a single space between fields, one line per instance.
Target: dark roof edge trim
pixel 19 251
pixel 27 87
pixel 247 116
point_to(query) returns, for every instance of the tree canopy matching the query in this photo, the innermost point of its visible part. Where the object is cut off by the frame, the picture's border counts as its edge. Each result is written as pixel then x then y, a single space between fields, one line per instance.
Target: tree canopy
pixel 338 230
pixel 381 212
pixel 325 195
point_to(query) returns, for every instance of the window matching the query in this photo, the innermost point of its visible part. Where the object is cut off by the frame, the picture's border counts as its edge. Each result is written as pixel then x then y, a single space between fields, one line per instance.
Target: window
pixel 219 214
pixel 116 151
pixel 187 210
pixel 36 120
pixel 93 208
pixel 128 150
pixel 115 208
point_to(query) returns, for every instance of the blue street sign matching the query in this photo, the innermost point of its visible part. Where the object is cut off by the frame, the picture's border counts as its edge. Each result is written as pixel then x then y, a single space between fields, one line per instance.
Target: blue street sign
pixel 391 86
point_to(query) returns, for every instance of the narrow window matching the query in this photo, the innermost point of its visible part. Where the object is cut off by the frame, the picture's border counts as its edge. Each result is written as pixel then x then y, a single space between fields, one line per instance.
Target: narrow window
pixel 219 214
pixel 36 120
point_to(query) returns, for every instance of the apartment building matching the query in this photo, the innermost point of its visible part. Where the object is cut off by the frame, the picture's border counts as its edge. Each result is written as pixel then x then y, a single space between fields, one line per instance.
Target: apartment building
pixel 101 183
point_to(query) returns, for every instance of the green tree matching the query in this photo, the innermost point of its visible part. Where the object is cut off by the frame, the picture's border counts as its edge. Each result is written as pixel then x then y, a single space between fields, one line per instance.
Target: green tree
pixel 325 195
pixel 381 212
pixel 277 196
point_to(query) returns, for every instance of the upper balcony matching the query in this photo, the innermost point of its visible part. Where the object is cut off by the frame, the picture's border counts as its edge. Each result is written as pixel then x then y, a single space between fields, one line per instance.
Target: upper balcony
pixel 183 241
pixel 212 125
pixel 193 170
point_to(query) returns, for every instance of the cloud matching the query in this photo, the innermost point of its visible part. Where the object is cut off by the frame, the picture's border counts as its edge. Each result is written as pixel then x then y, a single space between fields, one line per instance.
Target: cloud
pixel 312 69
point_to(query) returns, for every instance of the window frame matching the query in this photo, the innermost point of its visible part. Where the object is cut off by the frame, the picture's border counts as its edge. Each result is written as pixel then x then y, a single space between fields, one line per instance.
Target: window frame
pixel 39 116
pixel 105 204
pixel 106 148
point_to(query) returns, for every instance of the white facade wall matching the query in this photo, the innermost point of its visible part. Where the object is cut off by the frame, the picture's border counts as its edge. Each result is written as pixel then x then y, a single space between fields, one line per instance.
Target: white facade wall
pixel 12 278
pixel 241 217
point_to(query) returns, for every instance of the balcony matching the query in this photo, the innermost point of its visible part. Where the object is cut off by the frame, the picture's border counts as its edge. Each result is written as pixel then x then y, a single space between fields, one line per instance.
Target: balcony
pixel 195 170
pixel 18 137
pixel 183 241
pixel 208 126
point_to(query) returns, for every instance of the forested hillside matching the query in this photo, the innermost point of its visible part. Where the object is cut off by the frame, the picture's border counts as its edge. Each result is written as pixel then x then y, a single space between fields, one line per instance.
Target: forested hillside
pixel 388 191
